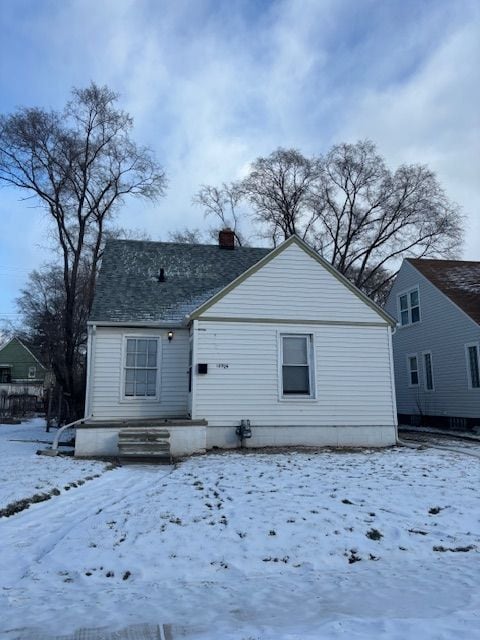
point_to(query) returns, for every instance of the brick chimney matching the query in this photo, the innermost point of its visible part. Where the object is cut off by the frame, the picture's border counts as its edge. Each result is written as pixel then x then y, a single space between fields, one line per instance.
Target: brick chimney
pixel 226 239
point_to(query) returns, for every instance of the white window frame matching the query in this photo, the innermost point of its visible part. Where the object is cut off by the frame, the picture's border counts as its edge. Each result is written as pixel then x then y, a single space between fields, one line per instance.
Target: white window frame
pixel 407 293
pixel 425 377
pixel 467 360
pixel 409 371
pixel 311 360
pixel 136 399
pixel 32 372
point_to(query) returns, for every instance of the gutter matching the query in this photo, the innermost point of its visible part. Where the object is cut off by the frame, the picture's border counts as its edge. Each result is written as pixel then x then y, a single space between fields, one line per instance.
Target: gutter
pixel 149 324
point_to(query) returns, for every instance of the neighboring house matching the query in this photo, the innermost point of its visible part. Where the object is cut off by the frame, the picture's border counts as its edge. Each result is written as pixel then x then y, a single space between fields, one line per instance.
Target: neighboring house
pixel 22 373
pixel 437 341
pixel 198 338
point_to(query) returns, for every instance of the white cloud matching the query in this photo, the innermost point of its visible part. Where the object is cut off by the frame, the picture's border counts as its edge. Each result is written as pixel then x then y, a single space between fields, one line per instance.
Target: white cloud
pixel 433 119
pixel 214 85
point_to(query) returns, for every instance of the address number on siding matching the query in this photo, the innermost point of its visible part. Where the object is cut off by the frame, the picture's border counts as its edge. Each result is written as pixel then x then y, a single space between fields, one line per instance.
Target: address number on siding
pixel 222 365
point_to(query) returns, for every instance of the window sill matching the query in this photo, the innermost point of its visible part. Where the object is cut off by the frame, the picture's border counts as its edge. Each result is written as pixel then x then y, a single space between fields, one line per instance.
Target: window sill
pixel 136 399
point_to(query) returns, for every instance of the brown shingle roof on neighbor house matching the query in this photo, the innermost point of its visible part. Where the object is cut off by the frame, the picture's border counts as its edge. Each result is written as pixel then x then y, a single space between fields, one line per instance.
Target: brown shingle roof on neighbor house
pixel 457 279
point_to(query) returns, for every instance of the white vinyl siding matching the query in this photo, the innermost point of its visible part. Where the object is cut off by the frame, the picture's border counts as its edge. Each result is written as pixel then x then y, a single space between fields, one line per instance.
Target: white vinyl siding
pixel 473 365
pixel 293 286
pixel 353 377
pixel 107 401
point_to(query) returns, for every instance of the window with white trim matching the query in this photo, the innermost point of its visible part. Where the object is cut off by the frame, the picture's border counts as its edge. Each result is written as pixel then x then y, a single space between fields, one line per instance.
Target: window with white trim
pixel 141 368
pixel 32 372
pixel 428 368
pixel 413 370
pixel 473 365
pixel 409 307
pixel 296 365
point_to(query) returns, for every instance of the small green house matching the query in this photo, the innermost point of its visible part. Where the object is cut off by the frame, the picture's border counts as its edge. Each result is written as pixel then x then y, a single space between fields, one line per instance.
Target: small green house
pixel 20 366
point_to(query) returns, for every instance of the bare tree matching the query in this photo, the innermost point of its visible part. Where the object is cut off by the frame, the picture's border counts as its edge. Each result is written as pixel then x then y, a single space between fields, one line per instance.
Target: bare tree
pixel 369 216
pixel 360 215
pixel 222 204
pixel 187 236
pixel 279 189
pixel 79 164
pixel 42 303
pixel 122 233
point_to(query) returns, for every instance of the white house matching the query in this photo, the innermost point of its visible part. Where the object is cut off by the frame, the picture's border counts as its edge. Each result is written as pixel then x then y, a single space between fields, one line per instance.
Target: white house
pixel 436 345
pixel 198 338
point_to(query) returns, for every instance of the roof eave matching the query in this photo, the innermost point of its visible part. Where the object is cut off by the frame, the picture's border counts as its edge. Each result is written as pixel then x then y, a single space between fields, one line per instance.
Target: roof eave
pixel 154 324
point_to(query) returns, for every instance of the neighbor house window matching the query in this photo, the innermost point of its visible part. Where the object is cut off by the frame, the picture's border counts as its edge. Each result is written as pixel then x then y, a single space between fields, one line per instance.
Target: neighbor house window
pixel 473 365
pixel 409 307
pixel 413 370
pixel 5 374
pixel 296 361
pixel 141 367
pixel 427 365
pixel 32 372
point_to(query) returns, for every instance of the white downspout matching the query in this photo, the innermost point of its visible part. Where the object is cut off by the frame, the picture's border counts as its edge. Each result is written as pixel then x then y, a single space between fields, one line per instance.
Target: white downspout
pixel 54 450
pixel 391 331
pixel 91 346
pixel 193 409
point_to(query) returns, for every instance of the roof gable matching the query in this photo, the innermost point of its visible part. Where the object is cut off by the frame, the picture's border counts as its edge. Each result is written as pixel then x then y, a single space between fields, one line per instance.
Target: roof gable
pixel 212 305
pixel 458 280
pixel 11 348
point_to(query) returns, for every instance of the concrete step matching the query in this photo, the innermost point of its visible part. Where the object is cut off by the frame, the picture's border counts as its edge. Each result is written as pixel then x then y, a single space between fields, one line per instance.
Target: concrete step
pixel 154 447
pixel 144 433
pixel 144 444
pixel 140 438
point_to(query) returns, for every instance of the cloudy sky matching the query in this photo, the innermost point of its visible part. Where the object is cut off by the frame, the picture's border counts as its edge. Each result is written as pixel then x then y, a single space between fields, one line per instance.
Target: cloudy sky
pixel 212 84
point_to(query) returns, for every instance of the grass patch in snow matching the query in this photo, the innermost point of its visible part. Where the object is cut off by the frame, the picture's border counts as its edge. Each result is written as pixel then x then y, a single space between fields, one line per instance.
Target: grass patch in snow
pixel 374 534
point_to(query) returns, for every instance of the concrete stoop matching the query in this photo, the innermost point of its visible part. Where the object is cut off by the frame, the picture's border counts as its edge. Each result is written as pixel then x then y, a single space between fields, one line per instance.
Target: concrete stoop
pixel 134 632
pixel 149 444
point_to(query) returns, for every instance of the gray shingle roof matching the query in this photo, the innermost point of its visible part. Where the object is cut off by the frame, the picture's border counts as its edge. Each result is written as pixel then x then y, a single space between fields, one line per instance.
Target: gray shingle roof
pixel 457 279
pixel 128 289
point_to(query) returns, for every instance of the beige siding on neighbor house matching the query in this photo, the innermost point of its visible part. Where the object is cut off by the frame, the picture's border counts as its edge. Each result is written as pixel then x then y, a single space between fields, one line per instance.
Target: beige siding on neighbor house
pixel 352 375
pixel 106 400
pixel 293 285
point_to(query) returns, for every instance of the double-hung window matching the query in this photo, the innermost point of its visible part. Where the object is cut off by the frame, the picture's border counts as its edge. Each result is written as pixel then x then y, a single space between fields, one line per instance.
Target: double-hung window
pixel 141 368
pixel 32 372
pixel 412 361
pixel 473 365
pixel 296 365
pixel 409 307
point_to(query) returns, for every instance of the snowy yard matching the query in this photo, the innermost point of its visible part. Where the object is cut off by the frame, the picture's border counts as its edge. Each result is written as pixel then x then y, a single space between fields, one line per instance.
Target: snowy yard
pixel 363 545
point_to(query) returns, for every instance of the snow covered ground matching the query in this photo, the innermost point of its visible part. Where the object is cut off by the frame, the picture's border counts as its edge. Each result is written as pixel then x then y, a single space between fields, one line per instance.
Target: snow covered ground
pixel 247 546
pixel 23 473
